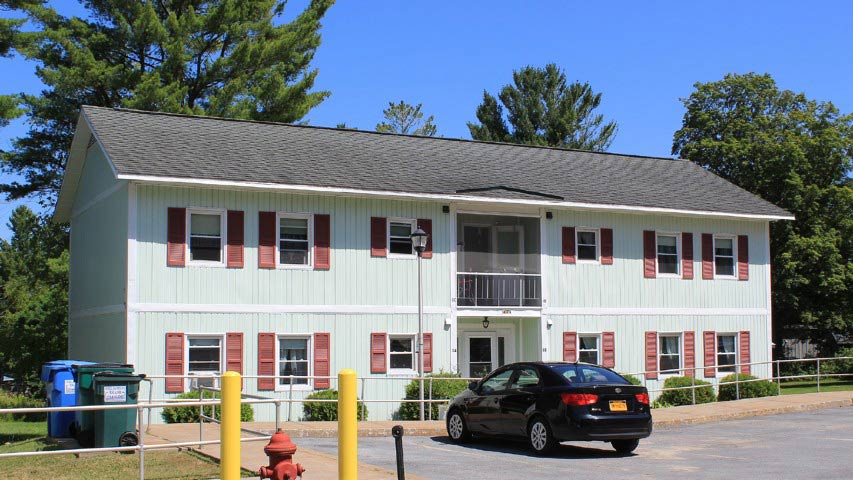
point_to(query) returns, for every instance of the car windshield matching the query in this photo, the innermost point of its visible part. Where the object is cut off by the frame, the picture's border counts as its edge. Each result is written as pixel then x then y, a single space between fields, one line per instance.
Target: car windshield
pixel 588 374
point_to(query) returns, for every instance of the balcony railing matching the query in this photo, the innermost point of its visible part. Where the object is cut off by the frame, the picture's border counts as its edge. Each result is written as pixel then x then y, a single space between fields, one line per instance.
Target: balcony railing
pixel 498 290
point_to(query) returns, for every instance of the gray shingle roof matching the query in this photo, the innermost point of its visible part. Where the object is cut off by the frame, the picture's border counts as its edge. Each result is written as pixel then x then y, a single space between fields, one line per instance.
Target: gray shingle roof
pixel 178 146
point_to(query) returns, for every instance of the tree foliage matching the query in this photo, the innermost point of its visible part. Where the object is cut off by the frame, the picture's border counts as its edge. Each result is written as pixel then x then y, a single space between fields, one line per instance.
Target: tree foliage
pixel 33 294
pixel 542 108
pixel 218 57
pixel 796 153
pixel 406 119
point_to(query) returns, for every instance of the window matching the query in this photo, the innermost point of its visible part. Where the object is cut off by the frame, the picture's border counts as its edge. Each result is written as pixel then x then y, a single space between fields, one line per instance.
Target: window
pixel 669 356
pixel 726 354
pixel 497 382
pixel 205 232
pixel 293 360
pixel 204 358
pixel 667 246
pixel 294 240
pixel 401 354
pixel 526 378
pixel 399 239
pixel 580 374
pixel 587 245
pixel 724 256
pixel 588 348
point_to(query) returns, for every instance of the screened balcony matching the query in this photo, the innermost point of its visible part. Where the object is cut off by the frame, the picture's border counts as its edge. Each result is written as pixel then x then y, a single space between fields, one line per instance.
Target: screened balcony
pixel 498 261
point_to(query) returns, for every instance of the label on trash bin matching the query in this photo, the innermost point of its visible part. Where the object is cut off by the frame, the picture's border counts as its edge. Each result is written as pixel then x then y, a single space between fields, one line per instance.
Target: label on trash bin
pixel 69 387
pixel 115 394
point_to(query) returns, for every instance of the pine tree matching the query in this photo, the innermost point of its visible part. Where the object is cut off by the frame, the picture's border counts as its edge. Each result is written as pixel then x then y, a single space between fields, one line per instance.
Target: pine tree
pixel 406 119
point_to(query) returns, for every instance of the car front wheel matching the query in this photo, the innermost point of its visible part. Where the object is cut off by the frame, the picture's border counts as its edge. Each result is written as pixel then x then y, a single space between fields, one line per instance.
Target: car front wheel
pixel 456 427
pixel 540 437
pixel 625 446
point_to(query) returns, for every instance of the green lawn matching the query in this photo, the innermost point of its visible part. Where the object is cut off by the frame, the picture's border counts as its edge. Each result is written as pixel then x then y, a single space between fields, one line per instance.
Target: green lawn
pixel 29 436
pixel 810 386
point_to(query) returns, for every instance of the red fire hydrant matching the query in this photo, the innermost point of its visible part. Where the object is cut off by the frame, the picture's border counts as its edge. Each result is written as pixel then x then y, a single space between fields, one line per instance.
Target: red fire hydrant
pixel 281 467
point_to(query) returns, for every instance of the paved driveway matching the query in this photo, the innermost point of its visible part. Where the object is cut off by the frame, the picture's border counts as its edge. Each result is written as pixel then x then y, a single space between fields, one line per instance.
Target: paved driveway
pixel 816 444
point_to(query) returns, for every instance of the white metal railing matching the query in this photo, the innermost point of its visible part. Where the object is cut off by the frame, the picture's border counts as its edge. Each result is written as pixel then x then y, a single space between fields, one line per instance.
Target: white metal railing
pixel 499 290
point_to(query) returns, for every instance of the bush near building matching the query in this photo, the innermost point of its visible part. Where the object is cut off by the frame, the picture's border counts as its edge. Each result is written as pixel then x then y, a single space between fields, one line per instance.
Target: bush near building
pixel 684 396
pixel 16 400
pixel 634 380
pixel 753 389
pixel 190 414
pixel 441 389
pixel 326 411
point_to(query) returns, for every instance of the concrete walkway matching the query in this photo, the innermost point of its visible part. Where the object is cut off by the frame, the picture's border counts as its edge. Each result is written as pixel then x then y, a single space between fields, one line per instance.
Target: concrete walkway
pixel 324 465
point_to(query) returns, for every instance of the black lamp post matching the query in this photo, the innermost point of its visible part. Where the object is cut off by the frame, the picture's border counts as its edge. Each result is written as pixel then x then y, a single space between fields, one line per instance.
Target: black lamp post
pixel 419 241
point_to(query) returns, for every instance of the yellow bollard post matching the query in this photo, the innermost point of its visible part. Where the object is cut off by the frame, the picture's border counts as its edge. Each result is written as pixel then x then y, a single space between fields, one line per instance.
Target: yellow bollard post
pixel 229 431
pixel 347 425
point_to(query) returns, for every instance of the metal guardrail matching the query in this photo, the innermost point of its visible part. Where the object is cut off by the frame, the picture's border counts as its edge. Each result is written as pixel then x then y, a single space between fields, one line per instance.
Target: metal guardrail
pixel 498 290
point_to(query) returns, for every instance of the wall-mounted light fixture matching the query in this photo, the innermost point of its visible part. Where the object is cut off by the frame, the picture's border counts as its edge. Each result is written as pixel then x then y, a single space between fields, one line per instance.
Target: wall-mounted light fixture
pixel 485 322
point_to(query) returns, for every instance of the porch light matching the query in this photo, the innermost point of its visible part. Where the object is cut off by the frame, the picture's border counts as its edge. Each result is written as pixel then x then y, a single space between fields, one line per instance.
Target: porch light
pixel 419 240
pixel 485 322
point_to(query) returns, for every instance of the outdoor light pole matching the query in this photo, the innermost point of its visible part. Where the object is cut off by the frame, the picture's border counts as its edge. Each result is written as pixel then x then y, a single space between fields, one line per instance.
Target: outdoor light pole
pixel 419 241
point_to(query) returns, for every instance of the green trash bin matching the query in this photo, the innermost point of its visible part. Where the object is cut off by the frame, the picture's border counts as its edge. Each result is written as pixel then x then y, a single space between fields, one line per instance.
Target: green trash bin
pixel 115 427
pixel 83 428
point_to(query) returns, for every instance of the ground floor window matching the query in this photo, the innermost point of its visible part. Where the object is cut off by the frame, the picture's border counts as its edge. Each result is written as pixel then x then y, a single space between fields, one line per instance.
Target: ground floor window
pixel 669 356
pixel 293 360
pixel 401 354
pixel 588 347
pixel 204 358
pixel 726 353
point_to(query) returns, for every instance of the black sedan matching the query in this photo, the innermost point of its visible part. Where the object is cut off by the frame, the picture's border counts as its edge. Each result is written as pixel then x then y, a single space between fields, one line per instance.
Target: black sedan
pixel 548 403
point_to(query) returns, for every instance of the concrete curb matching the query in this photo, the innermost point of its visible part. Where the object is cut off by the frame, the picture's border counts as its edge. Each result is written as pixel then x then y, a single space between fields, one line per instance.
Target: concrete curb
pixel 673 423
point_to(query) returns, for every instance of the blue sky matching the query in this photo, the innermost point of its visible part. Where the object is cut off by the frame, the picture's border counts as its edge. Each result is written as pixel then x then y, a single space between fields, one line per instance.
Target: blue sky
pixel 642 56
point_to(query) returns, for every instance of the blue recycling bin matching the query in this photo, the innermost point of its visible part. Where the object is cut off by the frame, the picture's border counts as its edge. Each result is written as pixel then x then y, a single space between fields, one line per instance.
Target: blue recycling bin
pixel 60 388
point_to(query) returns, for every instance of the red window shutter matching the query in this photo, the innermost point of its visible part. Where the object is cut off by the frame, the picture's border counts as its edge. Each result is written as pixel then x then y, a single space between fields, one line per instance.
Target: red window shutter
pixel 707 256
pixel 649 254
pixel 651 355
pixel 425 224
pixel 322 356
pixel 607 246
pixel 710 353
pixel 176 237
pixel 742 257
pixel 234 352
pixel 322 243
pixel 570 346
pixel 568 244
pixel 378 237
pixel 608 349
pixel 235 239
pixel 266 360
pixel 427 352
pixel 174 362
pixel 744 352
pixel 266 239
pixel 687 256
pixel 689 353
pixel 377 352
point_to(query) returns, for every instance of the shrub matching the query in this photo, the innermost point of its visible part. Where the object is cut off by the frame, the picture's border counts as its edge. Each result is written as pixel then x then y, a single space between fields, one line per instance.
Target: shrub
pixel 634 380
pixel 659 404
pixel 326 411
pixel 16 400
pixel 441 389
pixel 684 396
pixel 190 414
pixel 760 388
pixel 838 366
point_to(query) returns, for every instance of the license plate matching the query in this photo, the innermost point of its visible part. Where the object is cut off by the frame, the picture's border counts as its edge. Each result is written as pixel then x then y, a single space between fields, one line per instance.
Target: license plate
pixel 618 406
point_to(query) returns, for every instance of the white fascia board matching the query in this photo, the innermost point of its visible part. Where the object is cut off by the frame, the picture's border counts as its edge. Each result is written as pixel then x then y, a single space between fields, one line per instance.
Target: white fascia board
pixel 439 197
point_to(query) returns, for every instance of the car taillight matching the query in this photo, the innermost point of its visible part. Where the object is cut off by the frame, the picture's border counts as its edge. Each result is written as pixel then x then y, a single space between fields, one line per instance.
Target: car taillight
pixel 642 398
pixel 575 399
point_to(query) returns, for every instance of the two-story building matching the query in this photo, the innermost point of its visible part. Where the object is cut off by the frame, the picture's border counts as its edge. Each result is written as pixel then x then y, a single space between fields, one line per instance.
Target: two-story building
pixel 200 245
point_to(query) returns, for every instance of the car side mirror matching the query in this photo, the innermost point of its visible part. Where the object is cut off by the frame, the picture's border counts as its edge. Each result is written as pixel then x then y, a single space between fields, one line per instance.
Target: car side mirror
pixel 473 386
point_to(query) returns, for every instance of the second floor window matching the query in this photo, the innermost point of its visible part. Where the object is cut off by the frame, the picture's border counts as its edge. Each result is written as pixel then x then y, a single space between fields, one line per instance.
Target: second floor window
pixel 294 240
pixel 205 242
pixel 399 237
pixel 587 241
pixel 669 358
pixel 588 349
pixel 724 256
pixel 667 254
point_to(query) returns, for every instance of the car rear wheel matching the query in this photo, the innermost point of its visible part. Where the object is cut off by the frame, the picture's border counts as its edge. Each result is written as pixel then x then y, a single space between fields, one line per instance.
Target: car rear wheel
pixel 457 430
pixel 625 446
pixel 540 437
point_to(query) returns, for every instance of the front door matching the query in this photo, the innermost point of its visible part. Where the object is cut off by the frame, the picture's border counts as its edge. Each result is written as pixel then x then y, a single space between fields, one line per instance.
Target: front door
pixel 482 352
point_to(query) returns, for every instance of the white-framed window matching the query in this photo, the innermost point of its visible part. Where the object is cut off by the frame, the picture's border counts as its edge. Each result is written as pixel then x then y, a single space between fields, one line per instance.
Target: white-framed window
pixel 669 254
pixel 294 359
pixel 587 244
pixel 725 251
pixel 203 358
pixel 726 352
pixel 401 354
pixel 399 237
pixel 295 240
pixel 669 353
pixel 206 236
pixel 589 347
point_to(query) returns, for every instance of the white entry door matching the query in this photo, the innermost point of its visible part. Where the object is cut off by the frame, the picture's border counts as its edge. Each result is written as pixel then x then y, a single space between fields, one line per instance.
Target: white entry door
pixel 483 352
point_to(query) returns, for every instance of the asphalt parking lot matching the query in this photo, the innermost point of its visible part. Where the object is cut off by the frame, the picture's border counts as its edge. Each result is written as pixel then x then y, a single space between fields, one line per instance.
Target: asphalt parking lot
pixel 816 444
